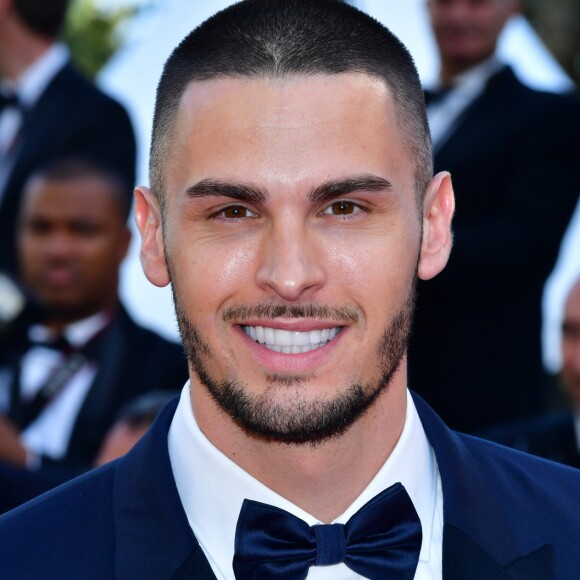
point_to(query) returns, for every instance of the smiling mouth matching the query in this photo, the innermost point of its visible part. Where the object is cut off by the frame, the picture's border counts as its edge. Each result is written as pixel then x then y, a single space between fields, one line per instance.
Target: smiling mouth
pixel 290 341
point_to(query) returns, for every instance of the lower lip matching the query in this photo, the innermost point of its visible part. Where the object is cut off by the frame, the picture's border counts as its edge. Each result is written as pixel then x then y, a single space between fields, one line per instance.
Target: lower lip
pixel 280 362
pixel 59 278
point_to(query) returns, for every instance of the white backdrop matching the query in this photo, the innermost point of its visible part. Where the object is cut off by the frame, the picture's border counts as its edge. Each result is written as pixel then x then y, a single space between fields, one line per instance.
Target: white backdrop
pixel 133 74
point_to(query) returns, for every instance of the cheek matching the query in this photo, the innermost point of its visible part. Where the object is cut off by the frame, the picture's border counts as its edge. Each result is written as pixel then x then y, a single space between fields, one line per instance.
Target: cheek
pixel 207 272
pixel 236 265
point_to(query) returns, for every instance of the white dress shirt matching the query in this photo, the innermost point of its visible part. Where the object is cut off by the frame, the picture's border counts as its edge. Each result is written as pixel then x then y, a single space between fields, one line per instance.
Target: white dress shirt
pixel 212 489
pixel 467 86
pixel 49 434
pixel 28 87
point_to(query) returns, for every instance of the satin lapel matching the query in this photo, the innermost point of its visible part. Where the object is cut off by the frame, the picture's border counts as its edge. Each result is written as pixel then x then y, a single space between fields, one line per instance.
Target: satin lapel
pixel 477 533
pixel 463 558
pixel 111 350
pixel 464 132
pixel 153 536
pixel 43 126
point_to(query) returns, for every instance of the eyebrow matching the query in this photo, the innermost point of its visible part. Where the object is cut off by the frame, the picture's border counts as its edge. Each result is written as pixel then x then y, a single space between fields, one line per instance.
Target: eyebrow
pixel 215 188
pixel 253 194
pixel 339 187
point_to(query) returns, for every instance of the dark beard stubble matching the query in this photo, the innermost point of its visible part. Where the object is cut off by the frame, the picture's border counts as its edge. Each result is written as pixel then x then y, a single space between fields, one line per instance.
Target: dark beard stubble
pixel 296 420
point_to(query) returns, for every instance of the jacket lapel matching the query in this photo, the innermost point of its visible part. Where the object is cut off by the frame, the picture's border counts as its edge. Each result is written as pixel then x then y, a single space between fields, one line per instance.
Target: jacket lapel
pixel 479 539
pixel 153 536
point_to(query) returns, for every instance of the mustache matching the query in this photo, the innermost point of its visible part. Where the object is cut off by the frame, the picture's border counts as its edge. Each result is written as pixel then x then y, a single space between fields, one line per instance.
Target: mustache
pixel 268 311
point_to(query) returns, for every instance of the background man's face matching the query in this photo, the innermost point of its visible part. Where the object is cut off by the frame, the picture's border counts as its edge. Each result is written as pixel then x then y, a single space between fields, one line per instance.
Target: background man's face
pixel 571 344
pixel 72 240
pixel 269 241
pixel 467 30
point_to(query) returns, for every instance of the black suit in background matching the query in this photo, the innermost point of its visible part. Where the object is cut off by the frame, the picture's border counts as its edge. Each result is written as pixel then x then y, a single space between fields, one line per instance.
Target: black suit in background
pixel 551 436
pixel 131 361
pixel 514 158
pixel 71 118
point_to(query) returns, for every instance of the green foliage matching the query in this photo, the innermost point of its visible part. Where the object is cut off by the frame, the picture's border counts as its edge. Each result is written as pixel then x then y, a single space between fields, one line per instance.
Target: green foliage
pixel 92 33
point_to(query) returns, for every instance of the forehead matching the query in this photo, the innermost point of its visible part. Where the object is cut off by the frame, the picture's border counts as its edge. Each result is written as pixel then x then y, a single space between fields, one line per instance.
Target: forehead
pixel 285 132
pixel 80 197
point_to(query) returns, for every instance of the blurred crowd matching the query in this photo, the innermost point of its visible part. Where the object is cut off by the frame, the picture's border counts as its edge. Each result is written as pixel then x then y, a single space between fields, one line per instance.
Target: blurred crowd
pixel 80 381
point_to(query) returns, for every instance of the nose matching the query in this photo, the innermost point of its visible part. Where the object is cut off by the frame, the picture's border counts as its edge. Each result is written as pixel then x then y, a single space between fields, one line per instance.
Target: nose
pixel 58 245
pixel 291 261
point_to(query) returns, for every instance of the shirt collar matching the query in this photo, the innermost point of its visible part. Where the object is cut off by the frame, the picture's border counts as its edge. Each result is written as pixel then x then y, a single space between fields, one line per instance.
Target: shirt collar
pixel 212 487
pixel 34 80
pixel 475 78
pixel 77 333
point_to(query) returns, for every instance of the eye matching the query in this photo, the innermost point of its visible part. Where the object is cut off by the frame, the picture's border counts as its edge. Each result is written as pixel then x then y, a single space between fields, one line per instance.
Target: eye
pixel 342 207
pixel 236 212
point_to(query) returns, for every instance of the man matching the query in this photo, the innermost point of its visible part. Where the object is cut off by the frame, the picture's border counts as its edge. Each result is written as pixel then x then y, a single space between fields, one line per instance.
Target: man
pixel 513 153
pixel 48 111
pixel 292 206
pixel 63 381
pixel 555 435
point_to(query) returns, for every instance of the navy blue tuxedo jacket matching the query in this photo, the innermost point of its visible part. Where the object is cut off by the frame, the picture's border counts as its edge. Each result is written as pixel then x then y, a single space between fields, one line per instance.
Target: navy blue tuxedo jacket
pixel 514 158
pixel 71 118
pixel 507 515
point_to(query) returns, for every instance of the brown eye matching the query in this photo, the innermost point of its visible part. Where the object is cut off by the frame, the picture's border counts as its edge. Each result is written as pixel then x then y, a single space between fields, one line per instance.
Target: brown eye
pixel 341 208
pixel 237 211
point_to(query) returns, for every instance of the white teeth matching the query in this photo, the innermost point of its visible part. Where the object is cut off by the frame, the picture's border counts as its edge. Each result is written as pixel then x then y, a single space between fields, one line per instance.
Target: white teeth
pixel 290 342
pixel 269 336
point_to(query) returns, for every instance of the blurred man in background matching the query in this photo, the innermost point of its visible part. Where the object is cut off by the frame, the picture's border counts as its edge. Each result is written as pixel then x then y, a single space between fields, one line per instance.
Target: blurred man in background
pixel 555 435
pixel 513 155
pixel 48 110
pixel 63 381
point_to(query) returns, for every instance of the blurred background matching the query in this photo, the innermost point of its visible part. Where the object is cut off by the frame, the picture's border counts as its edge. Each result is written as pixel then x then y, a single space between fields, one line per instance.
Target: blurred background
pixel 123 44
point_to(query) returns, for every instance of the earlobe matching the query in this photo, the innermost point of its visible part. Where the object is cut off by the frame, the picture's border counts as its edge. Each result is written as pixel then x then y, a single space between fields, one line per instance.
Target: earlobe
pixel 149 223
pixel 437 239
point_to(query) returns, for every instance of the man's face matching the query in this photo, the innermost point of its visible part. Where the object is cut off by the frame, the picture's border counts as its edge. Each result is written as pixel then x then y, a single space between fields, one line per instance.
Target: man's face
pixel 467 30
pixel 72 240
pixel 571 344
pixel 292 237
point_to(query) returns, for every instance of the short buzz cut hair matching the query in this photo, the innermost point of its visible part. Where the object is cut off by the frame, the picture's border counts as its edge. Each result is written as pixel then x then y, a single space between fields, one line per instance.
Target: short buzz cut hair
pixel 271 39
pixel 77 168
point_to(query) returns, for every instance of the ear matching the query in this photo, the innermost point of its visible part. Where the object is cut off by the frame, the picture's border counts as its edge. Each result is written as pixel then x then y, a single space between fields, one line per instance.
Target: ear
pixel 148 220
pixel 438 209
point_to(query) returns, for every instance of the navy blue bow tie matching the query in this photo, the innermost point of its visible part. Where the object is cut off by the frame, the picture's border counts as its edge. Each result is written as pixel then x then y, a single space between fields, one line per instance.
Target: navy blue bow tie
pixel 8 100
pixel 382 540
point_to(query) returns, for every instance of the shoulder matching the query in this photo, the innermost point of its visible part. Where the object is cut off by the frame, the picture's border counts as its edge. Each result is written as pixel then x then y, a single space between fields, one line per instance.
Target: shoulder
pixel 46 533
pixel 482 479
pixel 73 91
pixel 507 83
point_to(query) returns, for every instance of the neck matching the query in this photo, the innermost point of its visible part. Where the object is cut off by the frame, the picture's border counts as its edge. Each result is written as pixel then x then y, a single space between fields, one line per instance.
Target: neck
pixel 323 479
pixel 19 49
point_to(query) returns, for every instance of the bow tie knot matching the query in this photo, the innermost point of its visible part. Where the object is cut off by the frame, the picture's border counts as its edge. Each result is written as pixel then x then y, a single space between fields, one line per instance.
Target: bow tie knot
pixel 330 544
pixel 382 539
